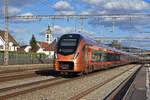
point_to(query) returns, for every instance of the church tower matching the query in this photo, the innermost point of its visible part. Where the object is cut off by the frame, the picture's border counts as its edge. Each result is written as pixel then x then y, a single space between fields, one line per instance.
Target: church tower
pixel 48 35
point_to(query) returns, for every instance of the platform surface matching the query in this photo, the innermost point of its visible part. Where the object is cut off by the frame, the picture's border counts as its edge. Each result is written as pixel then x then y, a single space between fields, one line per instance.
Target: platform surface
pixel 140 87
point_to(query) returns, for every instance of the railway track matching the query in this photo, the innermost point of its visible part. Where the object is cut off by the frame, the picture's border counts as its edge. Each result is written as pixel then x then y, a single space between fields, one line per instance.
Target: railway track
pixel 9 92
pixel 13 91
pixel 22 75
pixel 112 95
pixel 18 77
pixel 23 70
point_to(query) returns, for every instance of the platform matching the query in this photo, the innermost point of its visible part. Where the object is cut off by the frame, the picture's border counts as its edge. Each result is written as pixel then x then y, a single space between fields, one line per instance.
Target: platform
pixel 139 90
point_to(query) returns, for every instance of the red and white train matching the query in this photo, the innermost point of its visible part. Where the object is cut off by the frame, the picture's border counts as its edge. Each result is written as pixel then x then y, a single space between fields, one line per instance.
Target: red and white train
pixel 75 53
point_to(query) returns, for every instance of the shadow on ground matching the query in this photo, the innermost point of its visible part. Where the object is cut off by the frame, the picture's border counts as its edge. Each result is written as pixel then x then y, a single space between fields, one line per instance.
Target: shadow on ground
pixel 47 73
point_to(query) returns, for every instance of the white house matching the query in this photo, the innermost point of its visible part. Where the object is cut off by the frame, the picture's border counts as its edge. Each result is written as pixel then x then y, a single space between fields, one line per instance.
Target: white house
pixel 27 48
pixel 12 44
pixel 48 49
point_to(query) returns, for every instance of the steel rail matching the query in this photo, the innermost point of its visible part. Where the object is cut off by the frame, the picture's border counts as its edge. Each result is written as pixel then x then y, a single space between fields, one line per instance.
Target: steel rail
pixel 22 70
pixel 18 77
pixel 86 92
pixel 27 84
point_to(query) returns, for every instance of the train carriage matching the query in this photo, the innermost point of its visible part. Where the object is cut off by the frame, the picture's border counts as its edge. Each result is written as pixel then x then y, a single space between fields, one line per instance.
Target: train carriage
pixel 75 53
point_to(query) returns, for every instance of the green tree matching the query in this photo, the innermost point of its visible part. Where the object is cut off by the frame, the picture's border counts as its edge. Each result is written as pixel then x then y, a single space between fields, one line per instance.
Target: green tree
pixel 33 44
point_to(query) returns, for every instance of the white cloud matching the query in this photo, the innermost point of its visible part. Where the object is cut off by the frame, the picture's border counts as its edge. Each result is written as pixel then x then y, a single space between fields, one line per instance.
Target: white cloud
pixel 25 20
pixel 127 5
pixel 85 13
pixel 13 11
pixel 27 14
pixel 13 30
pixel 118 4
pixel 65 13
pixel 62 6
pixel 115 6
pixel 64 30
pixel 92 1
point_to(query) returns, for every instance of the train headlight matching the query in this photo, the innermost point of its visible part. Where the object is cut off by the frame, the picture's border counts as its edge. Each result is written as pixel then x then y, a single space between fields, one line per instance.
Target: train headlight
pixel 76 55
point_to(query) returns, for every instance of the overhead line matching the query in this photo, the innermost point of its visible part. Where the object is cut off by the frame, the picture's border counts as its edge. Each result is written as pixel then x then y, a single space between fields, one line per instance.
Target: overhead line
pixel 80 16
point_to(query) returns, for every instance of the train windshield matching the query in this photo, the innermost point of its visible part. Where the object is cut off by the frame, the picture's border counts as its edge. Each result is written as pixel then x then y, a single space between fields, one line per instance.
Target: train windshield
pixel 68 44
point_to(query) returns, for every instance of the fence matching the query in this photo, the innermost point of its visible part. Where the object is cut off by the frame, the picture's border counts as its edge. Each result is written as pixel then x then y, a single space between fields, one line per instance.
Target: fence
pixel 25 58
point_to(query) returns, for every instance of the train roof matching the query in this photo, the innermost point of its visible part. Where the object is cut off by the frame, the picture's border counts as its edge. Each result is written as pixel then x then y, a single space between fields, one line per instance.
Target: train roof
pixel 106 47
pixel 89 41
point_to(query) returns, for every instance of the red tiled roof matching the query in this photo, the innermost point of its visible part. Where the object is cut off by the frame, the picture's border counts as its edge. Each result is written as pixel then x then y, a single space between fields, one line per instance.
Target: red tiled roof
pixel 10 38
pixel 20 50
pixel 46 46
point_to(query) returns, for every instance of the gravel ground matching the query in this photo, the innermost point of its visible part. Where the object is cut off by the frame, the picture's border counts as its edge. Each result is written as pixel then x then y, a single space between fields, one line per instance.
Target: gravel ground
pixel 102 92
pixel 32 86
pixel 23 81
pixel 67 90
pixel 17 73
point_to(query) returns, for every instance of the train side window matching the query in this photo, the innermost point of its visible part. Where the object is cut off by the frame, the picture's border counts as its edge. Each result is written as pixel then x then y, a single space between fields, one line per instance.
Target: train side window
pixel 105 56
pixel 83 48
pixel 117 57
pixel 96 56
pixel 89 53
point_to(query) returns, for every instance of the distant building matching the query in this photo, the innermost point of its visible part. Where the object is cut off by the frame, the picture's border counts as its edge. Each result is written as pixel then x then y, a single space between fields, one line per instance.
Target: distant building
pixel 12 44
pixel 25 48
pixel 115 44
pixel 47 48
pixel 48 35
pixel 43 47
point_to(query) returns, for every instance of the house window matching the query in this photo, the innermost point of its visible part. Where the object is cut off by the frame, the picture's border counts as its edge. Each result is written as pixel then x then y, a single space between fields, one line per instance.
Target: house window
pixel 1 46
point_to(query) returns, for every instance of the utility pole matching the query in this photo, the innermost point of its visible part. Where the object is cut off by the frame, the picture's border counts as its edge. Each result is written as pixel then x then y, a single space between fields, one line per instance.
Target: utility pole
pixel 53 24
pixel 6 34
pixel 113 23
pixel 75 23
pixel 81 24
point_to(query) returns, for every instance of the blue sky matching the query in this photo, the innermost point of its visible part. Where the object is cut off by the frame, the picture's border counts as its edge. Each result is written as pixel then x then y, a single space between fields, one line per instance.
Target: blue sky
pixel 22 30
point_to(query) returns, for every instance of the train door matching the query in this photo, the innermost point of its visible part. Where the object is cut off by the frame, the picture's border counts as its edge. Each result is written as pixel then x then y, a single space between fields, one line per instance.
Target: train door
pixel 85 50
pixel 88 56
pixel 87 59
pixel 102 59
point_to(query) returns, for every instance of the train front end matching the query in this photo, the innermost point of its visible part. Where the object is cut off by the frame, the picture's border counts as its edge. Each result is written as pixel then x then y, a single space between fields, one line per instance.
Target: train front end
pixel 68 55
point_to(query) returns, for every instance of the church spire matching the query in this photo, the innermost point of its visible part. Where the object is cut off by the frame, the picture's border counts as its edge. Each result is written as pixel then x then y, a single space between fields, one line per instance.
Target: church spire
pixel 48 35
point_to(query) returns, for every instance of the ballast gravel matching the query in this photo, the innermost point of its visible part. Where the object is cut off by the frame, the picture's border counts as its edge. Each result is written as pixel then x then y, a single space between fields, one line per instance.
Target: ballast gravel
pixel 67 90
